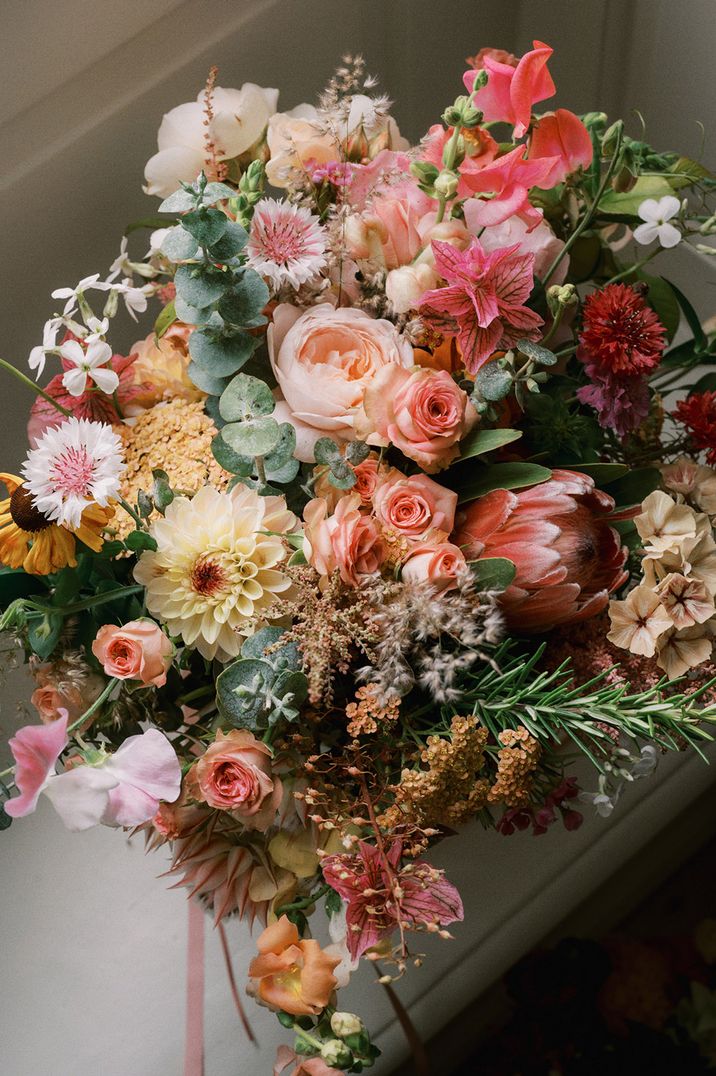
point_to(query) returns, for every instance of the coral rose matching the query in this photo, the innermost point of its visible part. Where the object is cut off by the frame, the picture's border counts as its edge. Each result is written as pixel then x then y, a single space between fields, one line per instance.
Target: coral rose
pixel 420 411
pixel 435 563
pixel 234 774
pixel 291 975
pixel 413 505
pixel 324 359
pixel 568 559
pixel 137 651
pixel 347 541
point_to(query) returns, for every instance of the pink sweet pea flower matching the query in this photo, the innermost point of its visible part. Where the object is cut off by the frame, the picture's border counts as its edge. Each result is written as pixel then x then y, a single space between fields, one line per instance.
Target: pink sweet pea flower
pixel 563 136
pixel 508 180
pixel 36 749
pixel 483 304
pixel 512 90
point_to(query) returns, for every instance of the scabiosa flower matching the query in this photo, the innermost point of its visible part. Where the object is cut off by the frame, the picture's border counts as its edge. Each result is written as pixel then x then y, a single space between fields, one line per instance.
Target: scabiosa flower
pixel 216 569
pixel 286 244
pixel 620 333
pixel 483 304
pixel 74 466
pixel 697 413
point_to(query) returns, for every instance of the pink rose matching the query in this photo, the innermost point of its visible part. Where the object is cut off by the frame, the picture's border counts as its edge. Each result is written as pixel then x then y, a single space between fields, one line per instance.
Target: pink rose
pixel 420 411
pixel 413 505
pixel 138 651
pixel 437 564
pixel 348 541
pixel 323 360
pixel 540 241
pixel 234 774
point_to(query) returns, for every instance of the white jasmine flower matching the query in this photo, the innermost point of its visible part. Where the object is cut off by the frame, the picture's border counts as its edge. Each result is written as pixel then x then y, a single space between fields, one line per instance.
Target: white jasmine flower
pixel 37 357
pixel 73 466
pixel 73 295
pixel 88 363
pixel 656 216
pixel 121 263
pixel 135 299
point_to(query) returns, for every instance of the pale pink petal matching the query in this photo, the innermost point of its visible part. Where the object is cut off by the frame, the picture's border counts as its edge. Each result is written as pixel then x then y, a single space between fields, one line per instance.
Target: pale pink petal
pixel 148 763
pixel 36 749
pixel 80 795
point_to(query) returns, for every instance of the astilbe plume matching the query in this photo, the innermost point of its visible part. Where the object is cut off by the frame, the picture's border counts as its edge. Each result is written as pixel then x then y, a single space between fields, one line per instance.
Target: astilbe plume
pixel 427 638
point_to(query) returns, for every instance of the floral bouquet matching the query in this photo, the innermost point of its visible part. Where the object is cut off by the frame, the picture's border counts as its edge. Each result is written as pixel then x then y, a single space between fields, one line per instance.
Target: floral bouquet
pixel 386 522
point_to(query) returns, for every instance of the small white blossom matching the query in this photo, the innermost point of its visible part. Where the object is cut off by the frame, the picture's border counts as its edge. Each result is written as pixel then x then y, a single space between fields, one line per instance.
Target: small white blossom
pixel 88 362
pixel 37 357
pixel 135 299
pixel 73 295
pixel 656 216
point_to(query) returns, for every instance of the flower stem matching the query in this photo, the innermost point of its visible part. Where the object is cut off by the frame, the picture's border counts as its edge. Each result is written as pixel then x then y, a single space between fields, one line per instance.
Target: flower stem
pixel 88 603
pixel 35 388
pixel 95 705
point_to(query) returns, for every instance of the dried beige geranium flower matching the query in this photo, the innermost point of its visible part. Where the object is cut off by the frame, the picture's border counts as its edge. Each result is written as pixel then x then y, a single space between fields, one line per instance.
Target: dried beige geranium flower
pixel 638 621
pixel 684 650
pixel 694 557
pixel 664 523
pixel 686 601
pixel 694 481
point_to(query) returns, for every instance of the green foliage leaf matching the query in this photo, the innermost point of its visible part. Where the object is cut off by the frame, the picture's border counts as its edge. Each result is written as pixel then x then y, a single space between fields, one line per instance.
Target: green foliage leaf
pixel 15 583
pixel 356 452
pixel 662 299
pixel 221 355
pixel 253 436
pixel 228 459
pixel 232 242
pixel 246 397
pixel 700 339
pixel 685 172
pixel 493 573
pixel 139 540
pixel 244 304
pixel 537 353
pixel 207 382
pixel 500 476
pixel 602 473
pixel 325 451
pixel 178 245
pixel 178 202
pixel 634 486
pixel 43 634
pixel 707 383
pixel 493 382
pixel 217 192
pixel 162 492
pixel 480 441
pixel 199 286
pixel 167 317
pixel 206 225
pixel 626 203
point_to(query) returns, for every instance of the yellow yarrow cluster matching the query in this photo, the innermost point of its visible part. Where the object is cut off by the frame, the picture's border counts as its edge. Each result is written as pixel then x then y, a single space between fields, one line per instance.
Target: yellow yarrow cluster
pixel 517 763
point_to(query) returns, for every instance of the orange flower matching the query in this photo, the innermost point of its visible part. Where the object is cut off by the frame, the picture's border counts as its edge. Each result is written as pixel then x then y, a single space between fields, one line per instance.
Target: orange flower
pixel 291 975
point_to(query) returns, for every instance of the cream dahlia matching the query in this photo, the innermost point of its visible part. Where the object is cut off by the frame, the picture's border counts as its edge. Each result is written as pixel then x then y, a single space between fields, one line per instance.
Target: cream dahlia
pixel 216 568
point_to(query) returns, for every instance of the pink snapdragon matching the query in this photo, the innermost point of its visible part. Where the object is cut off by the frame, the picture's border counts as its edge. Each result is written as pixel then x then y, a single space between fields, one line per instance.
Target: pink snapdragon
pixel 483 304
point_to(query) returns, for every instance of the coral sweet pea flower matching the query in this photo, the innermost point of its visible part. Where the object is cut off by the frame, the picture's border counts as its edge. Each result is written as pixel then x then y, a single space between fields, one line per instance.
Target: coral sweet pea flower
pixel 512 90
pixel 507 180
pixel 563 136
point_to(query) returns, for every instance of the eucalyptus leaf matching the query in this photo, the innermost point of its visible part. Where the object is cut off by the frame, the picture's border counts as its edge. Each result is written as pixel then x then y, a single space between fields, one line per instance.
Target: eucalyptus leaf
pixel 244 304
pixel 356 452
pixel 283 452
pixel 246 397
pixel 283 657
pixel 178 202
pixel 217 192
pixel 200 286
pixel 206 225
pixel 239 692
pixel 228 459
pixel 493 573
pixel 341 474
pixel 253 437
pixel 206 381
pixel 190 315
pixel 232 242
pixel 536 352
pixel 325 451
pixel 493 381
pixel 162 492
pixel 178 245
pixel 221 355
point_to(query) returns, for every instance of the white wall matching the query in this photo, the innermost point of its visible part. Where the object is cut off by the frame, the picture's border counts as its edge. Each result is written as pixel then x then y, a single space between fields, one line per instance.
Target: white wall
pixel 92 943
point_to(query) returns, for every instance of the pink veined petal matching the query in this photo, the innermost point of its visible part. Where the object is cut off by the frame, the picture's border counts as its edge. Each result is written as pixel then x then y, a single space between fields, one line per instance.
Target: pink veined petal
pixel 80 795
pixel 485 303
pixel 147 762
pixel 512 278
pixel 450 262
pixel 36 749
pixel 509 202
pixel 478 344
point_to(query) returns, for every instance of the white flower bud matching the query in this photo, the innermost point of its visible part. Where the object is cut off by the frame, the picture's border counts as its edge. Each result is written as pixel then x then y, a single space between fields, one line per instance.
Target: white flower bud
pixel 346 1023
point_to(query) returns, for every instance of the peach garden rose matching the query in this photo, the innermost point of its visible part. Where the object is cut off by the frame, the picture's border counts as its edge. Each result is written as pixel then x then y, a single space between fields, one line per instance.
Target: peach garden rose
pixel 323 360
pixel 412 505
pixel 137 651
pixel 347 541
pixel 436 563
pixel 234 774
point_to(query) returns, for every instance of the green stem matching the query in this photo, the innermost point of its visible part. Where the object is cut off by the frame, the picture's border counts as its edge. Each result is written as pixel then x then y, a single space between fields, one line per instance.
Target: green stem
pixel 304 902
pixel 95 706
pixel 87 603
pixel 632 268
pixel 35 388
pixel 311 1039
pixel 130 511
pixel 260 469
pixel 588 216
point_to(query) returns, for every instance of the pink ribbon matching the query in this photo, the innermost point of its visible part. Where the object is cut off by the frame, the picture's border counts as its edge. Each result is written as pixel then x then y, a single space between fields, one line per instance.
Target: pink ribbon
pixel 194 1048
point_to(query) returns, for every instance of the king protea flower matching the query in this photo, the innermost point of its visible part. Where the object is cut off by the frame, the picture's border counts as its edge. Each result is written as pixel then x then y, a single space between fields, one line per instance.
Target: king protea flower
pixel 568 559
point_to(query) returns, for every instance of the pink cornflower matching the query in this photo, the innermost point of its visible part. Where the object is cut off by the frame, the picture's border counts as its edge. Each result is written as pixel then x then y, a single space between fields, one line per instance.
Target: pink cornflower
pixel 483 304
pixel 286 243
pixel 381 895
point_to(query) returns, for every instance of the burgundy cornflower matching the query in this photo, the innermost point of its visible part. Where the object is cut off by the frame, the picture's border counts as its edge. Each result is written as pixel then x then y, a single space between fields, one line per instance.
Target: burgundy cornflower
pixel 620 333
pixel 483 303
pixel 698 414
pixel 380 894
